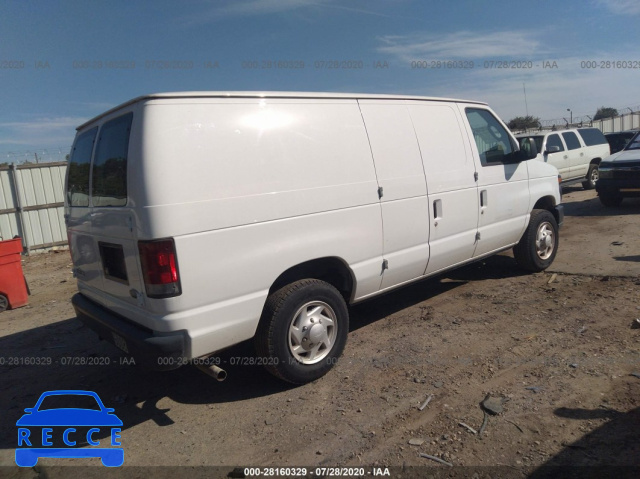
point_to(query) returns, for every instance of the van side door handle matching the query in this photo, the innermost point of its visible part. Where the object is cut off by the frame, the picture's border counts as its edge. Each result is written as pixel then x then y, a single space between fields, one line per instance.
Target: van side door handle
pixel 437 211
pixel 484 201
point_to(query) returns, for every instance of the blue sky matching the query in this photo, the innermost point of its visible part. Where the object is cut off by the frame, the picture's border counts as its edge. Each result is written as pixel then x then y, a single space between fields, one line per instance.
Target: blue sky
pixel 63 62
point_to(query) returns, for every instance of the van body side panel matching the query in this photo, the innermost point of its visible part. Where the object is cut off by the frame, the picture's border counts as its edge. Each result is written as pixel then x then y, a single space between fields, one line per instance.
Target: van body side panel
pixel 226 274
pixel 404 202
pixel 216 163
pixel 503 191
pixel 236 267
pixel 449 169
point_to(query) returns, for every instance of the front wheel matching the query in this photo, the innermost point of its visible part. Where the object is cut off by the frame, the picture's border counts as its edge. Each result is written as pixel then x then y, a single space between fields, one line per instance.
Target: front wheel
pixel 592 177
pixel 302 331
pixel 539 243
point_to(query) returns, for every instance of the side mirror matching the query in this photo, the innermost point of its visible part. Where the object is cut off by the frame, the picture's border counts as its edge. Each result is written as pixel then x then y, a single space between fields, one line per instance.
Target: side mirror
pixel 552 149
pixel 528 150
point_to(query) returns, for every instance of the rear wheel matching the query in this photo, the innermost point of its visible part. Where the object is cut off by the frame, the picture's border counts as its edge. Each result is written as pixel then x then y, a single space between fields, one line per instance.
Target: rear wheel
pixel 539 244
pixel 610 199
pixel 592 177
pixel 303 330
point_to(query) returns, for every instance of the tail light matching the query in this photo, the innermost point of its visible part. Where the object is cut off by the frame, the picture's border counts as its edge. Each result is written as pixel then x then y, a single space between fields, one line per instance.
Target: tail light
pixel 160 268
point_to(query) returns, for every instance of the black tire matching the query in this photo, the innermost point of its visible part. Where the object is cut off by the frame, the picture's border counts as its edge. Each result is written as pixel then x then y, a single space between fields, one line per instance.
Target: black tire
pixel 4 303
pixel 592 177
pixel 302 306
pixel 610 199
pixel 535 252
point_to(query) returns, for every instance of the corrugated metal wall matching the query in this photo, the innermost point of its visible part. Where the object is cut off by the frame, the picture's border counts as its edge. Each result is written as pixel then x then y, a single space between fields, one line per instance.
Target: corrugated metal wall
pixel 32 204
pixel 623 122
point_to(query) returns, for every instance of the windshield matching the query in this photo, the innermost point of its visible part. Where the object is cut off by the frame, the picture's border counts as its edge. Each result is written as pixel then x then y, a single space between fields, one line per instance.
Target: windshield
pixel 634 144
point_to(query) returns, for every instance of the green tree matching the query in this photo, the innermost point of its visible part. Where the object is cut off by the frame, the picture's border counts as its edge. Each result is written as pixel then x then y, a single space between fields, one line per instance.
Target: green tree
pixel 524 123
pixel 605 112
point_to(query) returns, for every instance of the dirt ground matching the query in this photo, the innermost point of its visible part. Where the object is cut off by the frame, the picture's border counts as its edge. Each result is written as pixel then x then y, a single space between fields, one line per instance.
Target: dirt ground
pixel 557 350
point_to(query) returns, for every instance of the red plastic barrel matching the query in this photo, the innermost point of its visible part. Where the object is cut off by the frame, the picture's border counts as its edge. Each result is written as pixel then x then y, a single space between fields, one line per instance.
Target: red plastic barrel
pixel 13 288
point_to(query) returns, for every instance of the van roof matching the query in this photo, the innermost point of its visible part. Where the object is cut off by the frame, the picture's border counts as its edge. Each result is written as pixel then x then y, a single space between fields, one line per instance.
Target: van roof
pixel 271 94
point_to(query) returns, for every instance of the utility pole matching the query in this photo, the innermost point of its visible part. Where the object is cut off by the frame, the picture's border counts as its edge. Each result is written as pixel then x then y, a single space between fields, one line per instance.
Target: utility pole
pixel 36 155
pixel 526 106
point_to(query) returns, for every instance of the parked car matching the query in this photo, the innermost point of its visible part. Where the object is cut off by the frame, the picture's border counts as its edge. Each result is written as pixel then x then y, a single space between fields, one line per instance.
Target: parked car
pixel 620 174
pixel 576 153
pixel 618 140
pixel 200 220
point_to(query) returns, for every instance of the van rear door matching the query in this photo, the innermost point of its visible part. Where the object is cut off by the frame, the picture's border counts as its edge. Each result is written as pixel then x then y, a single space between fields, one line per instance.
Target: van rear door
pixel 78 211
pixel 102 235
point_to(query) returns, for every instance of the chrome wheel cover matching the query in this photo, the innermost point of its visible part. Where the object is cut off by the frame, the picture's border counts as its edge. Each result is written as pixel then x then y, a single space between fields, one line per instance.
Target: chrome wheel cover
pixel 312 332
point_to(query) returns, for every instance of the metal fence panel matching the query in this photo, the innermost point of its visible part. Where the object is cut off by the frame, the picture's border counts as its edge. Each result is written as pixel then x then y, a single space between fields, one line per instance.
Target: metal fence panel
pixel 32 204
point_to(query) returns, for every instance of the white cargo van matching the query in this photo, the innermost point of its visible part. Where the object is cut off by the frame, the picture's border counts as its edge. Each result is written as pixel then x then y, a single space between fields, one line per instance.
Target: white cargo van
pixel 200 220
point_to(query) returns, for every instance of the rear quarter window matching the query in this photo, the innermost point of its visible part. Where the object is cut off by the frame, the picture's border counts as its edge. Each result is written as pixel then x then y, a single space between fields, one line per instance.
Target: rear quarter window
pixel 109 178
pixel 79 168
pixel 592 136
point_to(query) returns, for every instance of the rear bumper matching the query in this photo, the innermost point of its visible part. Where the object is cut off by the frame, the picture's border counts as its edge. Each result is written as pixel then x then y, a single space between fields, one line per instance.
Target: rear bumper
pixel 151 350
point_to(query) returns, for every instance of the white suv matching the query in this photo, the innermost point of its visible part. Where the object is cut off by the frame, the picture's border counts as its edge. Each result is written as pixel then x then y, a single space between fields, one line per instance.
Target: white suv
pixel 576 153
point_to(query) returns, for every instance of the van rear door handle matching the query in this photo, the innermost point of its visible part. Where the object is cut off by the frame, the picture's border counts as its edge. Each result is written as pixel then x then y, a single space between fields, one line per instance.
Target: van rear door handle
pixel 484 200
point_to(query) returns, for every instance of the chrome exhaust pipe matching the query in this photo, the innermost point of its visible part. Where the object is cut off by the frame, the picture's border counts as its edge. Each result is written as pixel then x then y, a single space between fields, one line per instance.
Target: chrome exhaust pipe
pixel 214 371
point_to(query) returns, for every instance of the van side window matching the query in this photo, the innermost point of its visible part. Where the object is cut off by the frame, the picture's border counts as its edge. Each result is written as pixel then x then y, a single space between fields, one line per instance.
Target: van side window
pixel 493 142
pixel 109 178
pixel 79 166
pixel 554 140
pixel 571 140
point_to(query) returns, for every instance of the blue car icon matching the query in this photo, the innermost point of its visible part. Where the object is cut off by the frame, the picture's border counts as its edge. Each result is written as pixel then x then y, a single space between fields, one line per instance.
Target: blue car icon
pixel 43 428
